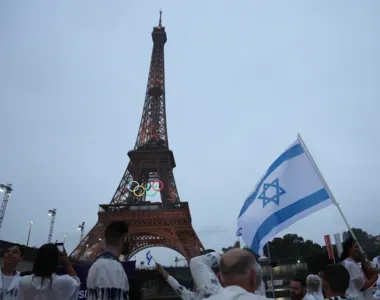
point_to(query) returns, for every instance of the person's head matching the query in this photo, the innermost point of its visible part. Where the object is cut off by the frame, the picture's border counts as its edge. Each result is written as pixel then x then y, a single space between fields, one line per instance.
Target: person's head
pixel 336 280
pixel 298 287
pixel 239 267
pixel 116 235
pixel 46 261
pixel 13 255
pixel 351 249
pixel 313 284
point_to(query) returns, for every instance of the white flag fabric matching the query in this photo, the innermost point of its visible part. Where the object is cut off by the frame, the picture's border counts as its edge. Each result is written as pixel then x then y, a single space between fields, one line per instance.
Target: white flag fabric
pixel 238 232
pixel 338 244
pixel 290 190
pixel 149 257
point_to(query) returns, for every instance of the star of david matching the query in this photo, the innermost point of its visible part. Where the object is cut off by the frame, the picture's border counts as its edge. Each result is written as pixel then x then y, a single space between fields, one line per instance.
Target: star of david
pixel 276 197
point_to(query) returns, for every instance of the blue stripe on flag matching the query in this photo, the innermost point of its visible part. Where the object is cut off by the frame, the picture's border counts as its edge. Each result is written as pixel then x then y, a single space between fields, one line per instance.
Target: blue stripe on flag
pixel 285 214
pixel 290 153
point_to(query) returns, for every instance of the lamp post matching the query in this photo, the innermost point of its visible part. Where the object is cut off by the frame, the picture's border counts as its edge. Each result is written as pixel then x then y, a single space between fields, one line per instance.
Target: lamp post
pixel 30 229
pixel 64 238
pixel 7 189
pixel 81 228
pixel 52 213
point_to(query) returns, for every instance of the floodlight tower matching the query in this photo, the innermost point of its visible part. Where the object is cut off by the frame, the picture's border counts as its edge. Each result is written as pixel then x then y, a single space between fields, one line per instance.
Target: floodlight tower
pixel 81 228
pixel 7 189
pixel 52 213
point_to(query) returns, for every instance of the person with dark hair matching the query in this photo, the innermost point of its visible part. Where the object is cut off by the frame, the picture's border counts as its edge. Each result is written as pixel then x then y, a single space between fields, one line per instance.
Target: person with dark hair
pixel 336 280
pixel 350 258
pixel 298 287
pixel 44 283
pixel 10 277
pixel 106 278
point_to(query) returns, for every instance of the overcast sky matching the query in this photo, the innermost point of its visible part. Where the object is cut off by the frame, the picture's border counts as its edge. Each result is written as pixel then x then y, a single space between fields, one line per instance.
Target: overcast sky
pixel 242 79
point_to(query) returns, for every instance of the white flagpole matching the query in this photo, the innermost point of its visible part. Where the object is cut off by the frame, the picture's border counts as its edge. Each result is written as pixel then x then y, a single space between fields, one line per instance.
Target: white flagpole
pixel 327 188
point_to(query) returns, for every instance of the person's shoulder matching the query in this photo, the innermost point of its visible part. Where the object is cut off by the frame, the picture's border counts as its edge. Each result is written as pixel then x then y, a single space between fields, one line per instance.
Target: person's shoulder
pixel 24 280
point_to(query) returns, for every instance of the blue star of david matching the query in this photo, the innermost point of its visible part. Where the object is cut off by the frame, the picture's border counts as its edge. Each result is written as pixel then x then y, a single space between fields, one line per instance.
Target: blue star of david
pixel 276 197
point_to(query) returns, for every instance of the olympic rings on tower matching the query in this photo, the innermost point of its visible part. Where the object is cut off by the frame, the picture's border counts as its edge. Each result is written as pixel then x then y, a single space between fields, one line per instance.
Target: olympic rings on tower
pixel 139 190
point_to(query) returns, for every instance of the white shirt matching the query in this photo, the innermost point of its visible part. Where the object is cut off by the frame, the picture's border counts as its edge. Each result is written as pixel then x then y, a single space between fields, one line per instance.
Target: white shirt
pixel 204 277
pixel 208 284
pixel 313 296
pixel 181 291
pixel 377 293
pixel 9 286
pixel 357 278
pixel 106 279
pixel 376 262
pixel 235 293
pixel 63 287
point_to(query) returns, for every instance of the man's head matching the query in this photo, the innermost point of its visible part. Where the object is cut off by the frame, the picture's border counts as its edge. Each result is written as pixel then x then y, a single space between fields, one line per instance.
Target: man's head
pixel 298 287
pixel 239 267
pixel 116 235
pixel 14 255
pixel 336 280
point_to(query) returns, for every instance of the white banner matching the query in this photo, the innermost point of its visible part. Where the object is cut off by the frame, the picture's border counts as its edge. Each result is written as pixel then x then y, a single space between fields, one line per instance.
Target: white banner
pixel 338 244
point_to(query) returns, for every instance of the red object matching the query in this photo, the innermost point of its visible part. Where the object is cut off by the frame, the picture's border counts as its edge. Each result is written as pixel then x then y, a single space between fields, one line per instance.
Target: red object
pixel 329 247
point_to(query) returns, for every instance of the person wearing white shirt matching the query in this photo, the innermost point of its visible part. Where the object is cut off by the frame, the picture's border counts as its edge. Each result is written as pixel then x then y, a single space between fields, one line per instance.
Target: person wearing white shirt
pixel 350 257
pixel 10 277
pixel 44 283
pixel 106 279
pixel 313 288
pixel 182 292
pixel 238 280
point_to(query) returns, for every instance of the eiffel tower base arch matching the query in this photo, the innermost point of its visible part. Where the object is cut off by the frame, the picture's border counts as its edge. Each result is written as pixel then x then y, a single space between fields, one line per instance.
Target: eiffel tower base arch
pixel 150 225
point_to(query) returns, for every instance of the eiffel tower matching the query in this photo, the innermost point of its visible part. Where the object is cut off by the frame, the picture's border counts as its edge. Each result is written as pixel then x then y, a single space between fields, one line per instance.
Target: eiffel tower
pixel 166 223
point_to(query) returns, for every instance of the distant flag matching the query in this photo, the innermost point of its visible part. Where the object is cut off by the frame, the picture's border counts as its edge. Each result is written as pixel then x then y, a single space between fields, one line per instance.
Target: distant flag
pixel 291 189
pixel 338 244
pixel 329 247
pixel 149 257
pixel 239 231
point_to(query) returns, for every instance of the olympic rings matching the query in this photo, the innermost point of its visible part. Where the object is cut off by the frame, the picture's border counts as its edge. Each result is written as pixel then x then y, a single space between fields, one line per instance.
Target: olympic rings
pixel 139 190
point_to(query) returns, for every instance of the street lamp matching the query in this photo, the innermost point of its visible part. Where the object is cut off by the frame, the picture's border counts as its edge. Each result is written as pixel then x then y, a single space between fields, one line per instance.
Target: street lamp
pixel 30 229
pixel 7 189
pixel 81 228
pixel 52 213
pixel 64 238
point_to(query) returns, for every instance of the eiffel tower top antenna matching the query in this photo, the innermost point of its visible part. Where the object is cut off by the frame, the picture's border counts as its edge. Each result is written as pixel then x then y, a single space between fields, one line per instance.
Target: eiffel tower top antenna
pixel 160 22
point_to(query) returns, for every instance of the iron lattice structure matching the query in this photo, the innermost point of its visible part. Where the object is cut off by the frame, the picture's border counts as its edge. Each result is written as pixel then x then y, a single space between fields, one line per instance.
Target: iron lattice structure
pixel 7 188
pixel 52 213
pixel 166 223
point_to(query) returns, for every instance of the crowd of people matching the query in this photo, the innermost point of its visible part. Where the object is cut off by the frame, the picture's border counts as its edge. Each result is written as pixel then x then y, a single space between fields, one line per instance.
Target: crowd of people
pixel 234 275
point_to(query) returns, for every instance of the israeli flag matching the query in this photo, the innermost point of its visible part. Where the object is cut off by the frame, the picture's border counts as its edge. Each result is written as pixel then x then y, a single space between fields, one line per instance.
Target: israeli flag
pixel 290 190
pixel 149 257
pixel 238 232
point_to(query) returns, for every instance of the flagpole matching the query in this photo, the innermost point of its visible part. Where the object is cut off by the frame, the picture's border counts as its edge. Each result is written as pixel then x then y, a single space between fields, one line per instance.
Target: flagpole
pixel 270 270
pixel 327 188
